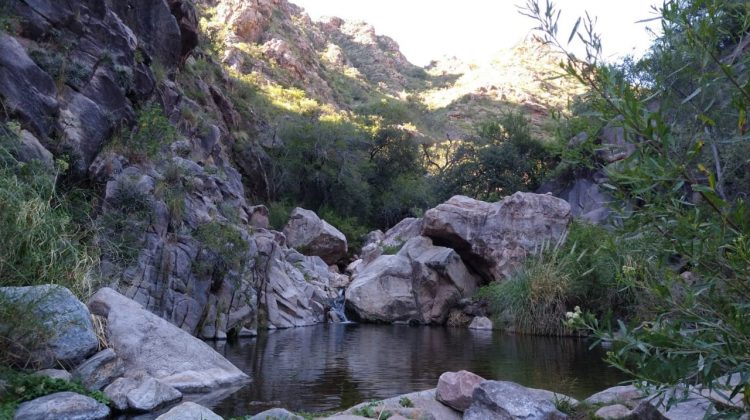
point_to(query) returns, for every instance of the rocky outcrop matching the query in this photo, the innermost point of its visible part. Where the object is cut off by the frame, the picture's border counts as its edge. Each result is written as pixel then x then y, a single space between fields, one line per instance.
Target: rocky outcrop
pixel 507 400
pixel 27 91
pixel 456 389
pixel 147 343
pixel 189 411
pixel 494 238
pixel 62 405
pixel 293 290
pixel 312 235
pixel 64 316
pixel 418 284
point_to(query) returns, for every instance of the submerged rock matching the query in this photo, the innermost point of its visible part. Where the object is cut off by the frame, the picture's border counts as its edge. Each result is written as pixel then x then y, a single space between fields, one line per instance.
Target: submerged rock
pixel 481 323
pixel 147 343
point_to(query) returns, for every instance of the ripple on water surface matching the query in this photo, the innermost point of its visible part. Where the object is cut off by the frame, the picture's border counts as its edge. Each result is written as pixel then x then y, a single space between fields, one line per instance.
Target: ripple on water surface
pixel 334 366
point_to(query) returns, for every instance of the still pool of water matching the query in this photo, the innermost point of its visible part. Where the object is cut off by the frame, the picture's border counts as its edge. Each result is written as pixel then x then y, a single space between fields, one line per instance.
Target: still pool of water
pixel 334 366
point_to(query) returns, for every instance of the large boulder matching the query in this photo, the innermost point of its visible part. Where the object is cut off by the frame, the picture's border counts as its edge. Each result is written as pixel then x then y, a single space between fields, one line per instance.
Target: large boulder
pixel 495 238
pixel 421 283
pixel 62 405
pixel 67 319
pixel 503 400
pixel 312 235
pixel 147 343
pixel 455 389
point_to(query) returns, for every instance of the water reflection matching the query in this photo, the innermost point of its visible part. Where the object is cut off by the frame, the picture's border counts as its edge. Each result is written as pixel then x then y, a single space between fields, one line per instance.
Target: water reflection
pixel 333 366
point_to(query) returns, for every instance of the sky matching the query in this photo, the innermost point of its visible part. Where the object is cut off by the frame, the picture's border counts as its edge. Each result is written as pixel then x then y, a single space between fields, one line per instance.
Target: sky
pixel 472 29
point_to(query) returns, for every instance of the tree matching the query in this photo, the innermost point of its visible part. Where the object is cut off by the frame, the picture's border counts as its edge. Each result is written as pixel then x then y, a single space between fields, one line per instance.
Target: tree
pixel 698 277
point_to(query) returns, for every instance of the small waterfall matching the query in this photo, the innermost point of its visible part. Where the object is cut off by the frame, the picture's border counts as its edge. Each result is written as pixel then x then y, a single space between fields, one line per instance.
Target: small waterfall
pixel 338 314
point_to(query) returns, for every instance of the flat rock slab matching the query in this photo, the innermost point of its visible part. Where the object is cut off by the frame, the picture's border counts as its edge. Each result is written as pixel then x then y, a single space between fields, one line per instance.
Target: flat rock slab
pixel 62 405
pixel 423 405
pixel 501 400
pixel 627 395
pixel 147 343
pixel 189 411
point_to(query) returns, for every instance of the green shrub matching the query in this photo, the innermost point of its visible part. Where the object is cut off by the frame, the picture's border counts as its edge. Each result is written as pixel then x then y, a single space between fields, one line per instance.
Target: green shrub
pixel 225 242
pixel 278 214
pixel 22 387
pixel 351 227
pixel 41 243
pixel 151 132
pixel 584 271
pixel 125 221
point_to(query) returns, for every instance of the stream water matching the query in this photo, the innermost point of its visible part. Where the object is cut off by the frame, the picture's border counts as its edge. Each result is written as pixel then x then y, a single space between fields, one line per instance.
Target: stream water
pixel 334 366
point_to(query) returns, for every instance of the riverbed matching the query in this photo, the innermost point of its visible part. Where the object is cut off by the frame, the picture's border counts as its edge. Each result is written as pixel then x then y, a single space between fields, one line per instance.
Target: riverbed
pixel 329 367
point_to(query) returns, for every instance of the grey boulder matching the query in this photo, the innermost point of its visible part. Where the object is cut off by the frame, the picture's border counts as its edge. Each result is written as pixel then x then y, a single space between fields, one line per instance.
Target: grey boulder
pixel 62 405
pixel 69 321
pixel 421 283
pixel 495 238
pixel 312 235
pixel 147 343
pixel 501 400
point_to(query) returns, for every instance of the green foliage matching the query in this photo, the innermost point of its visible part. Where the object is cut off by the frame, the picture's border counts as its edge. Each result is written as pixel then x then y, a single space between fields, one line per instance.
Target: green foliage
pixel 373 410
pixel 586 270
pixel 225 242
pixel 405 402
pixel 696 278
pixel 392 250
pixel 351 227
pixel 41 242
pixel 151 132
pixel 45 241
pixel 25 387
pixel 278 214
pixel 125 222
pixel 504 159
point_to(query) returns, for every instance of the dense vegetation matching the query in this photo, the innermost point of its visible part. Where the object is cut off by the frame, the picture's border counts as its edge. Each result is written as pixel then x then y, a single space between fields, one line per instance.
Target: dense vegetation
pixel 677 267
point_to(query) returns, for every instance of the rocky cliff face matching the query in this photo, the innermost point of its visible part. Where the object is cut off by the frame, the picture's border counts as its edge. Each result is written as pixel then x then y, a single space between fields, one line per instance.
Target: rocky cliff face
pixel 103 86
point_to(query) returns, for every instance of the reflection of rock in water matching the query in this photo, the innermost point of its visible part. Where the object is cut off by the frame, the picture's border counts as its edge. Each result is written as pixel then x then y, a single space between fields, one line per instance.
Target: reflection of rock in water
pixel 334 366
